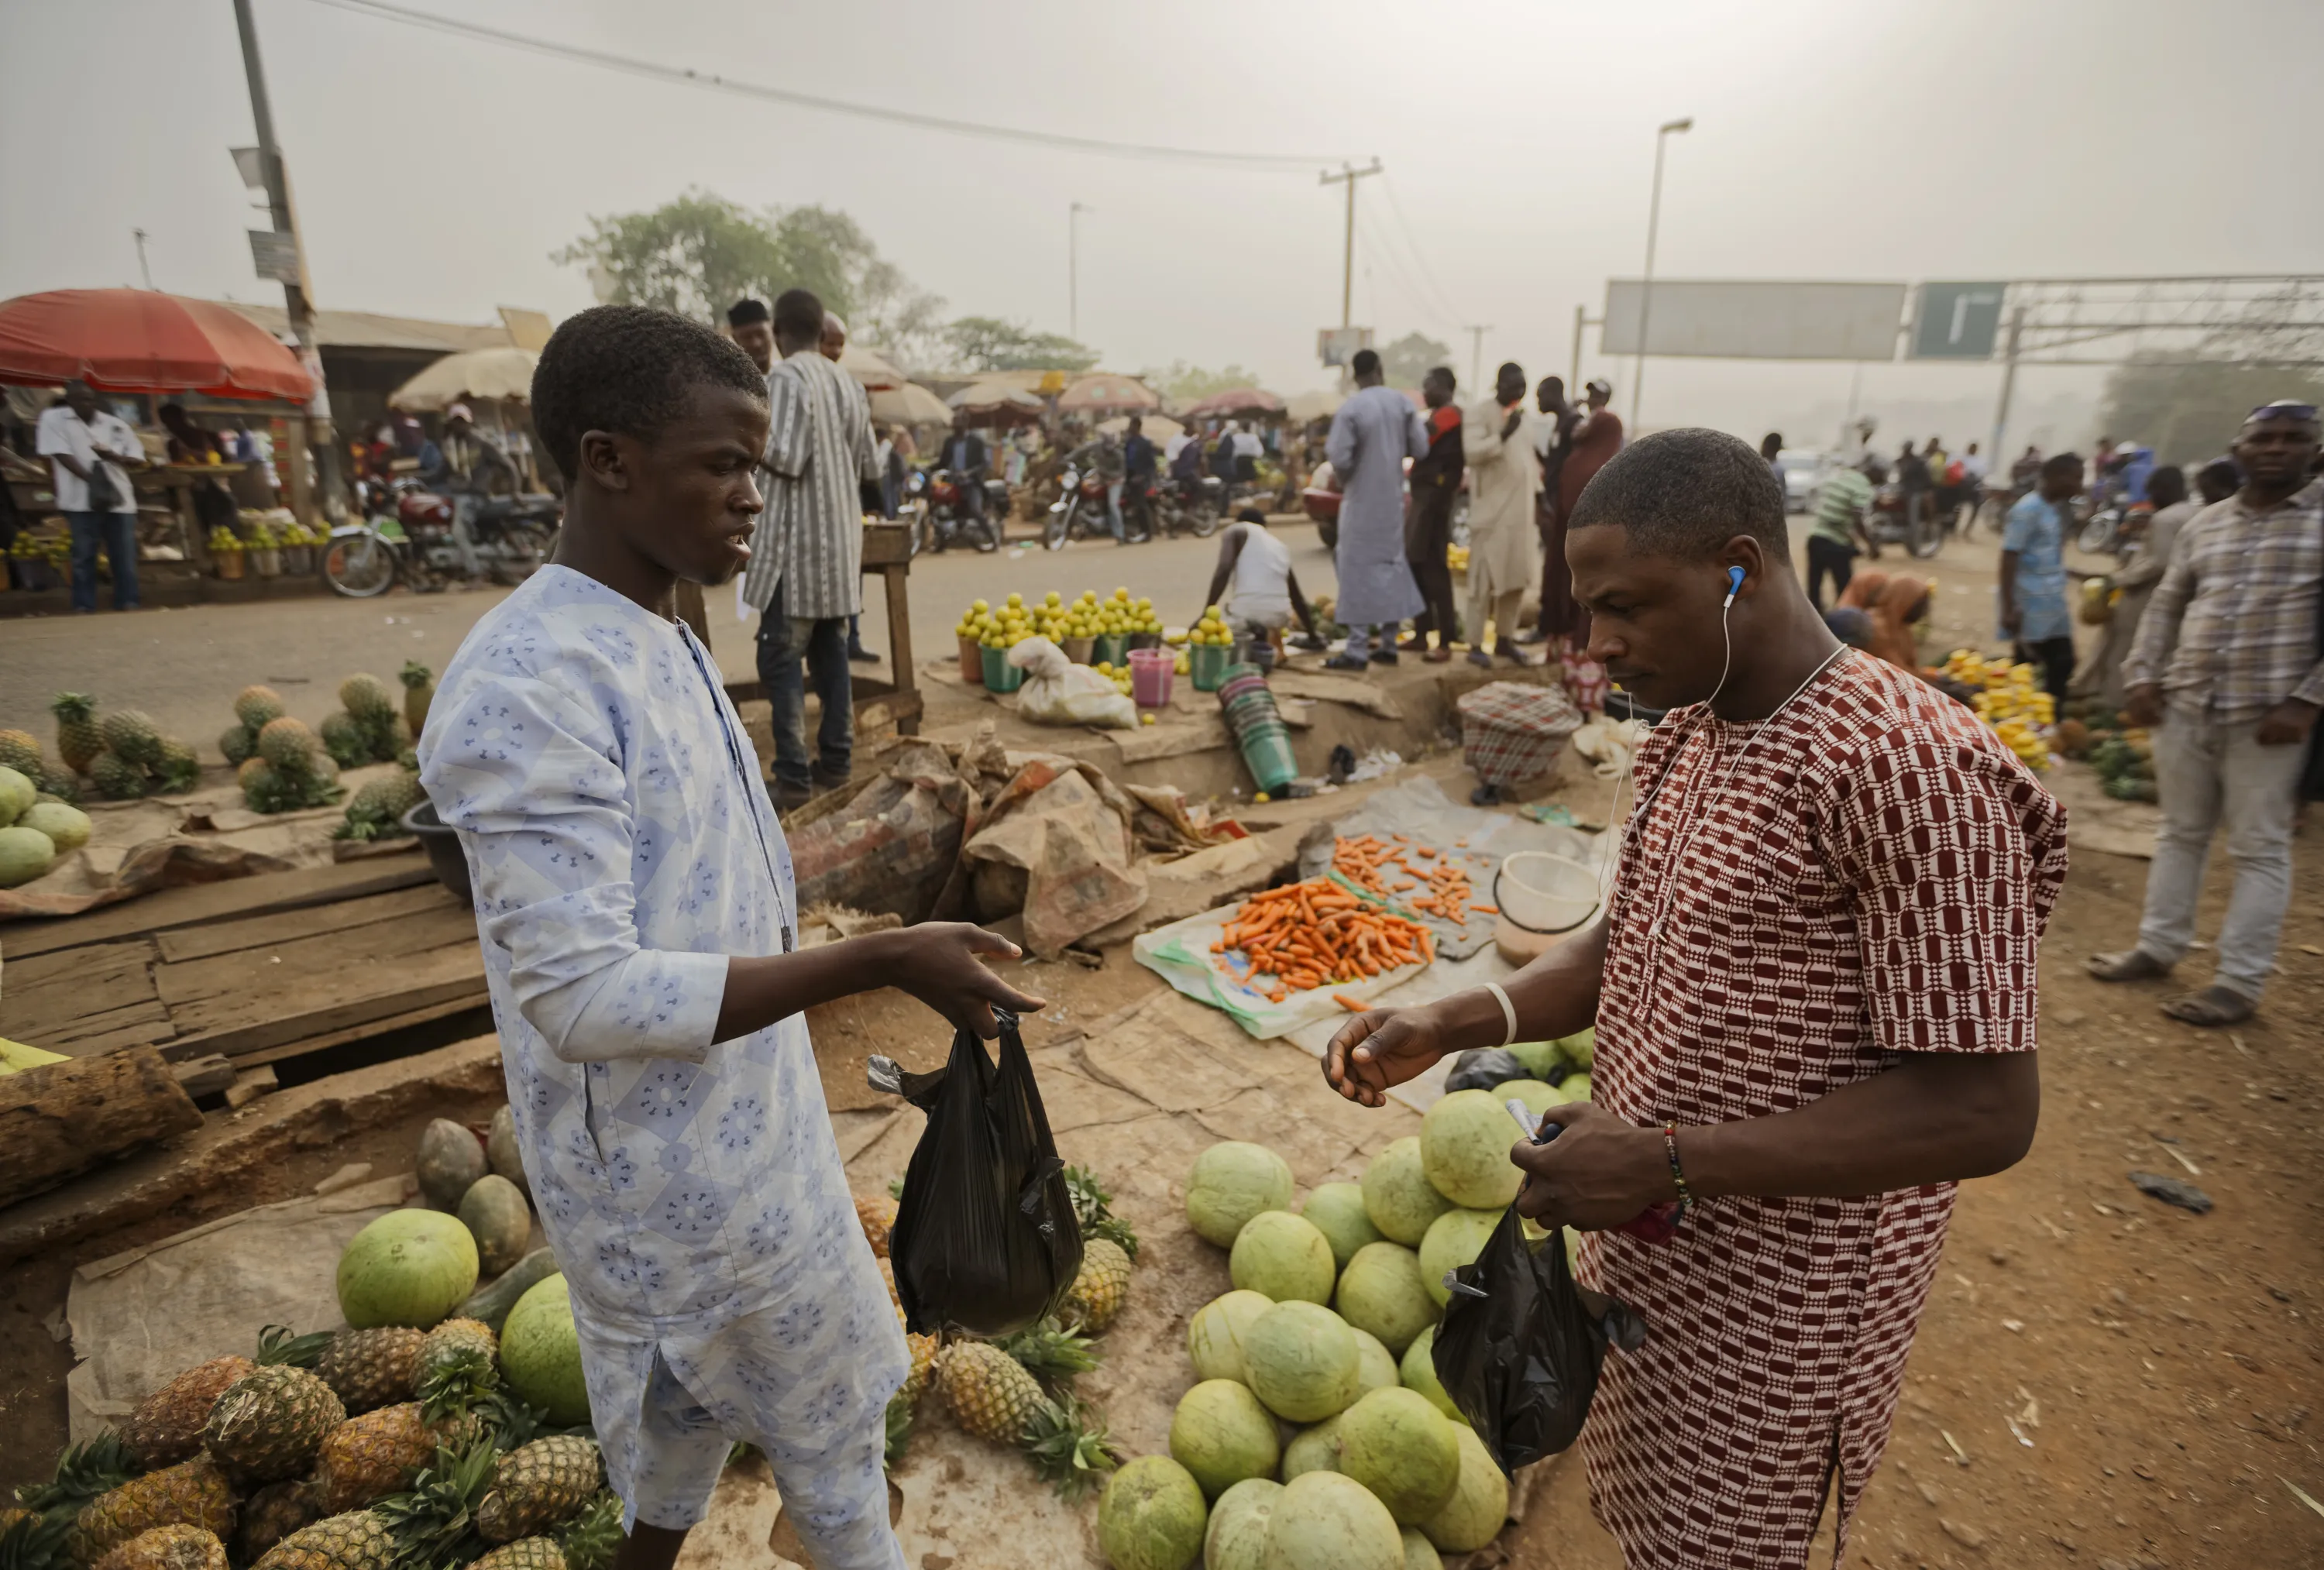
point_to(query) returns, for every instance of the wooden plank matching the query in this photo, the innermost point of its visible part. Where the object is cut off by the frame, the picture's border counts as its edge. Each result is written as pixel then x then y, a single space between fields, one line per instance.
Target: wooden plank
pixel 364 992
pixel 204 1076
pixel 900 644
pixel 86 1001
pixel 480 998
pixel 246 982
pixel 62 1118
pixel 342 916
pixel 225 900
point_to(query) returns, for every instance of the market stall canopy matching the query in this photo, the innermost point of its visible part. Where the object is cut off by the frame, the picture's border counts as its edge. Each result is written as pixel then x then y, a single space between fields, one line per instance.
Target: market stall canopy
pixel 998 403
pixel 871 368
pixel 493 374
pixel 1107 392
pixel 1233 402
pixel 135 340
pixel 1304 407
pixel 1154 427
pixel 909 405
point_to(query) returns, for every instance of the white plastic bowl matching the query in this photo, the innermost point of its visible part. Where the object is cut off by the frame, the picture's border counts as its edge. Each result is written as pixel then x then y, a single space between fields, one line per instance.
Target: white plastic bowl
pixel 1542 893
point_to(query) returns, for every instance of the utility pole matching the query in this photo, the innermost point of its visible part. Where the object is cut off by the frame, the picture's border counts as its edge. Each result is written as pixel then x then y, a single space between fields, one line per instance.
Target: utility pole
pixel 143 266
pixel 1477 353
pixel 322 440
pixel 1073 270
pixel 1348 174
pixel 1646 287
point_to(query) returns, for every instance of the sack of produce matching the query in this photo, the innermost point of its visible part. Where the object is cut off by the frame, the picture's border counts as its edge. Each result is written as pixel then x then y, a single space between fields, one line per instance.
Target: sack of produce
pixel 1057 691
pixel 985 1239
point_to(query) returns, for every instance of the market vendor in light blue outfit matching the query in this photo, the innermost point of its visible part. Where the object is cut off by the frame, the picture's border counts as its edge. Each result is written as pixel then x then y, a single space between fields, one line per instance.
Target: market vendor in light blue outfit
pixel 634 903
pixel 1372 435
pixel 2035 615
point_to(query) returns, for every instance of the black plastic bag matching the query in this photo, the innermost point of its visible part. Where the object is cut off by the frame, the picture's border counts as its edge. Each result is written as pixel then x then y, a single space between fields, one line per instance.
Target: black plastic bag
pixel 1483 1068
pixel 1520 1342
pixel 985 1239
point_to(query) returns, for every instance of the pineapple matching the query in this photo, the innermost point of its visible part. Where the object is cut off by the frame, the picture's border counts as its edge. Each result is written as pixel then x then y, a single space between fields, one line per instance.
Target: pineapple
pixel 344 741
pixel 237 743
pixel 1070 1448
pixel 255 706
pixel 456 1369
pixel 77 738
pixel 131 735
pixel 270 1422
pixel 1091 1210
pixel 272 1514
pixel 116 779
pixel 372 1457
pixel 357 1540
pixel 419 692
pixel 524 1553
pixel 288 745
pixel 989 1391
pixel 371 1368
pixel 1098 1290
pixel 179 768
pixel 21 750
pixel 888 1274
pixel 376 811
pixel 175 1547
pixel 876 1213
pixel 539 1484
pixel 1050 1353
pixel 193 1494
pixel 591 1539
pixel 365 699
pixel 60 783
pixel 167 1426
pixel 924 1349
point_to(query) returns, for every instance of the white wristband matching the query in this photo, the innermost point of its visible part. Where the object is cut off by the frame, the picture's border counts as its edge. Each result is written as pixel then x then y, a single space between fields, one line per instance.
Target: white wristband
pixel 1509 1012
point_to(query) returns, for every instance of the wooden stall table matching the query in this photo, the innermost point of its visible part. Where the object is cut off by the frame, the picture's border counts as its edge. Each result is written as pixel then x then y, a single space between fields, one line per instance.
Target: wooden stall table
pixel 887 552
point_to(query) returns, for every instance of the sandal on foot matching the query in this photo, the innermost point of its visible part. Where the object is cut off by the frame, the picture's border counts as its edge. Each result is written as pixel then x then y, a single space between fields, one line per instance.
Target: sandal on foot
pixel 2211 1007
pixel 2130 964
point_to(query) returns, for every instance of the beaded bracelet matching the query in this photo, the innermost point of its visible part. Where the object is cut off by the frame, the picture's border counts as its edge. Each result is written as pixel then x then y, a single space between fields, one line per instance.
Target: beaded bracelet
pixel 1678 1177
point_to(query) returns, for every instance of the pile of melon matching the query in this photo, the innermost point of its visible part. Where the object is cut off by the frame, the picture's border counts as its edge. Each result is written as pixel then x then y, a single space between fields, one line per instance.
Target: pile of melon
pixel 1317 1435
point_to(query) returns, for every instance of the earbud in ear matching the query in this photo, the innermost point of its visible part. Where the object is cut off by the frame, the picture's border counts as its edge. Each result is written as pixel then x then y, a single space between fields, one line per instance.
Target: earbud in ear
pixel 1734 583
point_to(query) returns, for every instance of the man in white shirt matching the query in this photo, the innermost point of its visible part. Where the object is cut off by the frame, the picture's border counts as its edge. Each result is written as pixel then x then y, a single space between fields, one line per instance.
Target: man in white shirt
pixel 86 445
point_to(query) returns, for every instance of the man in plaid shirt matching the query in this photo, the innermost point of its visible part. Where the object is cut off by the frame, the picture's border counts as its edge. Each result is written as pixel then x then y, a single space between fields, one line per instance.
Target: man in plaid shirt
pixel 2227 665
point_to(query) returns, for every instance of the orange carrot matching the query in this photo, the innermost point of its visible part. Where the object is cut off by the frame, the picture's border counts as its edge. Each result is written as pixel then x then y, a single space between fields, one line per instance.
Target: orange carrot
pixel 1353 1004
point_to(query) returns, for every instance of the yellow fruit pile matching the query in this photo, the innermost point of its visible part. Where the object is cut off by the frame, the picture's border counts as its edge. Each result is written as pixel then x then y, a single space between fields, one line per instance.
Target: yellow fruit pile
pixel 1055 619
pixel 2009 702
pixel 1118 675
pixel 1211 631
pixel 1457 557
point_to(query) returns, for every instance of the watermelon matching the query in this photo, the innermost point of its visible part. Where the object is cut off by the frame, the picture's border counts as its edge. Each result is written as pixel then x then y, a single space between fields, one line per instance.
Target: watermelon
pixel 541 1353
pixel 408 1267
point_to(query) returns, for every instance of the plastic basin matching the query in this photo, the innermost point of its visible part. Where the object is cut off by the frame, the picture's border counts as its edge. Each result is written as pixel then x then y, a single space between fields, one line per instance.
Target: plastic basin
pixel 442 844
pixel 1152 674
pixel 1544 893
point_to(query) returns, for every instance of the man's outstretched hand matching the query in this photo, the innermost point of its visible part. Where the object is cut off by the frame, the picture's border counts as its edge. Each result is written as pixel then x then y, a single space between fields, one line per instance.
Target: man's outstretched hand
pixel 1600 1172
pixel 939 963
pixel 1381 1048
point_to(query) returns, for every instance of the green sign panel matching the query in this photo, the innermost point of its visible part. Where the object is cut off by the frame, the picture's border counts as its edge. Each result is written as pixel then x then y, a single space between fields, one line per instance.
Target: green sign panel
pixel 1957 321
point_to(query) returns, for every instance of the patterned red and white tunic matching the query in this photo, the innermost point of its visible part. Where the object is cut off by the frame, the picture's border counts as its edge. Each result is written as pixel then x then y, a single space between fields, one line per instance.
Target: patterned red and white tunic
pixel 1871 879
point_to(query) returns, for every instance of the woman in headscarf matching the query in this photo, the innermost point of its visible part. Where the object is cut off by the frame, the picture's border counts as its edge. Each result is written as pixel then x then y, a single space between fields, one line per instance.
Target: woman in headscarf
pixel 1891 603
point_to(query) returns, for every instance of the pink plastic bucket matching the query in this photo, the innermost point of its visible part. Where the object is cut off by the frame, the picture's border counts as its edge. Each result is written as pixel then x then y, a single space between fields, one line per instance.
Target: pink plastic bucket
pixel 1152 672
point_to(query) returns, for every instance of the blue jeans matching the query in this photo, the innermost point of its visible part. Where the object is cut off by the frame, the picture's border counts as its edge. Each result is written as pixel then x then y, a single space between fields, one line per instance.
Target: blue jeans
pixel 820 644
pixel 117 531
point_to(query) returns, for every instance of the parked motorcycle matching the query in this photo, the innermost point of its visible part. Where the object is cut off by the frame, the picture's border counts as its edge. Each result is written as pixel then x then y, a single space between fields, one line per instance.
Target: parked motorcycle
pixel 421 539
pixel 2112 531
pixel 1194 508
pixel 1080 500
pixel 1905 518
pixel 938 498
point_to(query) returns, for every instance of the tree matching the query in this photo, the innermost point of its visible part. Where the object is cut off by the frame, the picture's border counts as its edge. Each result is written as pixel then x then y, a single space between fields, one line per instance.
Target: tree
pixel 991 344
pixel 1184 383
pixel 1411 357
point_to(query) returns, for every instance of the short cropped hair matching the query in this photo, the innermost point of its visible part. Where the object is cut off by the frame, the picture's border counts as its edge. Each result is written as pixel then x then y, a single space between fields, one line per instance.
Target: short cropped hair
pixel 798 313
pixel 1686 494
pixel 2059 462
pixel 745 311
pixel 630 370
pixel 1366 361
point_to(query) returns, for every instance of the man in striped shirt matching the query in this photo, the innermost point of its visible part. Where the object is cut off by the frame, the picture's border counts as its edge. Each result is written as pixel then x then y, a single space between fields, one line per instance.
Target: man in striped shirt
pixel 2227 666
pixel 807 558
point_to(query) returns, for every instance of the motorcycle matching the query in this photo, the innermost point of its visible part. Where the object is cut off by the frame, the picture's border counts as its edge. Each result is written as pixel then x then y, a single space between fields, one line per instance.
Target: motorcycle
pixel 1904 518
pixel 938 498
pixel 2112 531
pixel 1081 497
pixel 420 538
pixel 1179 507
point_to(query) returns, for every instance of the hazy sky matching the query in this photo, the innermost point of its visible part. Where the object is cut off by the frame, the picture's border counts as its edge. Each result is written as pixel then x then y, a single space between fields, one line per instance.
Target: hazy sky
pixel 1891 141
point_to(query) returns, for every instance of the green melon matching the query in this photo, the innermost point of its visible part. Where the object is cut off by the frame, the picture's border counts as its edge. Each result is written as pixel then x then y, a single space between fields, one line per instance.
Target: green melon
pixel 541 1355
pixel 1419 1553
pixel 1454 1238
pixel 1237 1537
pixel 1580 1049
pixel 1231 1182
pixel 1464 1148
pixel 1574 1086
pixel 67 826
pixel 1337 1209
pixel 494 1213
pixel 16 793
pixel 1304 1363
pixel 1538 1096
pixel 1398 1195
pixel 1315 1448
pixel 1326 1521
pixel 1375 1364
pixel 25 854
pixel 1418 1370
pixel 490 1303
pixel 1222 1435
pixel 451 1158
pixel 1381 1291
pixel 1152 1516
pixel 1540 1058
pixel 1472 1517
pixel 1214 1337
pixel 1284 1257
pixel 408 1267
pixel 1396 1444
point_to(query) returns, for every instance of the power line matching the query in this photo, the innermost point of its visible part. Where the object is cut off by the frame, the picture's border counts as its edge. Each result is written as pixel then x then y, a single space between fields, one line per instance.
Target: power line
pixel 1377 251
pixel 1396 208
pixel 677 76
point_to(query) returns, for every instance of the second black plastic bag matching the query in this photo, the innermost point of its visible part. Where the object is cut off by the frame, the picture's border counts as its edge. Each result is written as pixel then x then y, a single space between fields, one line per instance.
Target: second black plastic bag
pixel 1521 1342
pixel 985 1239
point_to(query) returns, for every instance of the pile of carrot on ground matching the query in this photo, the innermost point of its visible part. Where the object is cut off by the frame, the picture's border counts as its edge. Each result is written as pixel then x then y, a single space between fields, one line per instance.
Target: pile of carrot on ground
pixel 1315 933
pixel 1396 866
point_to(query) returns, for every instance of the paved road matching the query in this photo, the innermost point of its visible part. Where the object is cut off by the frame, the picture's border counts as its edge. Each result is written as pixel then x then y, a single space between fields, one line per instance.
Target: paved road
pixel 184 667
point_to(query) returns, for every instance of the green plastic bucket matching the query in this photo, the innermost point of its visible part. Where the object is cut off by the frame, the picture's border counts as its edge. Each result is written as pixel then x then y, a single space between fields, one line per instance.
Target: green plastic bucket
pixel 1000 675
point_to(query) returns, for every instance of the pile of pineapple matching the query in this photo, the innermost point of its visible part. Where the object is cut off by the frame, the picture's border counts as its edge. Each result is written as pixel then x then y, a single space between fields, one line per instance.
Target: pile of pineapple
pixel 366 1450
pixel 1018 1391
pixel 2006 698
pixel 123 754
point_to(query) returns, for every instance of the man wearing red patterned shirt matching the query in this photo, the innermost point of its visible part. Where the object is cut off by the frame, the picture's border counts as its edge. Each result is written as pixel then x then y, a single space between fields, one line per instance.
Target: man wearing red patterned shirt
pixel 1814 993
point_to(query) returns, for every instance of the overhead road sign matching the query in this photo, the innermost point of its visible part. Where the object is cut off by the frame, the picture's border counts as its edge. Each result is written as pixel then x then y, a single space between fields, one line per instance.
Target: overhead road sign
pixel 1957 321
pixel 1739 319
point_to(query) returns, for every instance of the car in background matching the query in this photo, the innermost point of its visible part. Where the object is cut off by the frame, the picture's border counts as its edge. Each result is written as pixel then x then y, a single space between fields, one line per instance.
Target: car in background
pixel 1802 471
pixel 1321 502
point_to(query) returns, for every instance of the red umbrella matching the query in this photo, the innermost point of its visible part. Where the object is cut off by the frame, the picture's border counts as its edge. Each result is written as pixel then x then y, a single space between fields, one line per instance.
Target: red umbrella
pixel 1233 401
pixel 130 340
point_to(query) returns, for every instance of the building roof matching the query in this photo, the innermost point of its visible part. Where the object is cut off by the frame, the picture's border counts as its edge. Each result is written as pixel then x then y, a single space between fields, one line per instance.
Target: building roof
pixel 369 330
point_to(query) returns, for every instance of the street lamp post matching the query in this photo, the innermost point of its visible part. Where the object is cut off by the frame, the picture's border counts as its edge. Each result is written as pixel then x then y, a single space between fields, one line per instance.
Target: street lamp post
pixel 1073 270
pixel 1647 287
